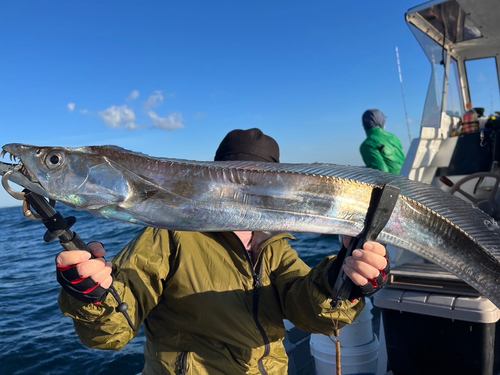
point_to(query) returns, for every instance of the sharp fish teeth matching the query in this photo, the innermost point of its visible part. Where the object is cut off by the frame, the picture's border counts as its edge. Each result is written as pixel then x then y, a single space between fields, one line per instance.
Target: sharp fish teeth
pixel 10 156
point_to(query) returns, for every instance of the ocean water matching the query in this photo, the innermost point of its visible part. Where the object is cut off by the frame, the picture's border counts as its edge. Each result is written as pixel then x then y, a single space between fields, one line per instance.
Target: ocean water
pixel 35 338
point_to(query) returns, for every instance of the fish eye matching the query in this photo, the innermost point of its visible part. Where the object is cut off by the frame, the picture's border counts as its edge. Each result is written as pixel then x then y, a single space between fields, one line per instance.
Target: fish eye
pixel 54 159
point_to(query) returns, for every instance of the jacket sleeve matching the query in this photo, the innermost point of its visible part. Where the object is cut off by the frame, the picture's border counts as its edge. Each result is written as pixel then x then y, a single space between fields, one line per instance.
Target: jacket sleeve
pixel 138 273
pixel 305 293
pixel 372 156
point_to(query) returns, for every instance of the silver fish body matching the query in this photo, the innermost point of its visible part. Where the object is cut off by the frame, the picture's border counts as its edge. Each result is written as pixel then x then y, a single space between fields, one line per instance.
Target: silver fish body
pixel 224 196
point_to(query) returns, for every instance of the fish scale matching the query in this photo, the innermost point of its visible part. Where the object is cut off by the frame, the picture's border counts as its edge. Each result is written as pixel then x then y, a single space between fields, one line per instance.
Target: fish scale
pixel 323 198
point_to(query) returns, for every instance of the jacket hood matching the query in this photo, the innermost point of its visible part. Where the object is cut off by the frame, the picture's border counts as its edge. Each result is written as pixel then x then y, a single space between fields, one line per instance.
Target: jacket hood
pixel 373 118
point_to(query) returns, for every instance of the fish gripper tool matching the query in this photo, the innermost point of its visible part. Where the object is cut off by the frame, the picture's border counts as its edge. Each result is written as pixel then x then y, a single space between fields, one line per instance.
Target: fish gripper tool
pixel 59 227
pixel 382 204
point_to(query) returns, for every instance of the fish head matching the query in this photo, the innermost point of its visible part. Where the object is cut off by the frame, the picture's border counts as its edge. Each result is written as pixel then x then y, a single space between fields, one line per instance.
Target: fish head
pixel 81 178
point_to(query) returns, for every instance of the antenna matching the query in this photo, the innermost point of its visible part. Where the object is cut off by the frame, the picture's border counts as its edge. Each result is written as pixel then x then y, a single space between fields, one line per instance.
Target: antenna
pixel 403 92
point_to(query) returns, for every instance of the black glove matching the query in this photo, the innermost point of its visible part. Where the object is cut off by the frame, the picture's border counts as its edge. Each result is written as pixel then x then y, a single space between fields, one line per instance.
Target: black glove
pixel 373 285
pixel 82 288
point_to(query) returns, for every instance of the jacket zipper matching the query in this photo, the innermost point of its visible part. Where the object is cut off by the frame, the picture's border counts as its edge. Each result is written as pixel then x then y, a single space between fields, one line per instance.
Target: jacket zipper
pixel 183 358
pixel 257 276
pixel 256 298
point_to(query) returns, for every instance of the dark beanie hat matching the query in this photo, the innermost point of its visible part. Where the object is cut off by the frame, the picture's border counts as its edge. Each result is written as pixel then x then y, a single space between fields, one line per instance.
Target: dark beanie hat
pixel 251 145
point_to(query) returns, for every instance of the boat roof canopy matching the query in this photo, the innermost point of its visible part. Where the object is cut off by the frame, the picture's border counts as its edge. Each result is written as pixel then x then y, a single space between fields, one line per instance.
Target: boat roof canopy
pixel 468 28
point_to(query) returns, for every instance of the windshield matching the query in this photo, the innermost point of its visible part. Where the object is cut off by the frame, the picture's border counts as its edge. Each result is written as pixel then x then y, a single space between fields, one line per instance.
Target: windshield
pixel 455 103
pixel 451 21
pixel 482 77
pixel 434 100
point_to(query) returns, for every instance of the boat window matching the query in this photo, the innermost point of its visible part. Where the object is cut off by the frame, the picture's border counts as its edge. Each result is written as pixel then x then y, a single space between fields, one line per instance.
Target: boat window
pixel 482 76
pixel 434 100
pixel 451 21
pixel 455 103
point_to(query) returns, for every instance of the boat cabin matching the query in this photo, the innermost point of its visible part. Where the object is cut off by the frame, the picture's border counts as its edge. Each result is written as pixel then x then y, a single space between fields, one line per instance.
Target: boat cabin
pixel 433 322
pixel 461 39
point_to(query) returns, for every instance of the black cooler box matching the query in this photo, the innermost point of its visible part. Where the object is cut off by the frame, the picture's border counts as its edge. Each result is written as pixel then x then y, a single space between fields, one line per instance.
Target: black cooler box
pixel 430 333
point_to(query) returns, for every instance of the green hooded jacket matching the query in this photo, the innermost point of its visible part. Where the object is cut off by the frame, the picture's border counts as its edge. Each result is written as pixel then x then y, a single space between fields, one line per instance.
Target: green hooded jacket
pixel 206 309
pixel 383 151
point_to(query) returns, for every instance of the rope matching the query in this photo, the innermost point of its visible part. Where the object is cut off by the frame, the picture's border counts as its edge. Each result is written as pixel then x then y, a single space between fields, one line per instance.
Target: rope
pixel 336 334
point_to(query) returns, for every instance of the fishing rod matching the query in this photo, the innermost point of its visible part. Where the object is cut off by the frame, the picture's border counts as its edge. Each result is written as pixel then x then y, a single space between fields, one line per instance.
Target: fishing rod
pixel 59 228
pixel 403 93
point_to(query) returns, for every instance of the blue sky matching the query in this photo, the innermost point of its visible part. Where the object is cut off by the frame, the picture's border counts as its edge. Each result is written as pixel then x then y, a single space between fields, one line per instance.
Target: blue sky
pixel 172 78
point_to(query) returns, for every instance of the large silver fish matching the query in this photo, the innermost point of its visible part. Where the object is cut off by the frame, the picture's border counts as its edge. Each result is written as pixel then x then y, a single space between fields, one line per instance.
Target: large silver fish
pixel 122 185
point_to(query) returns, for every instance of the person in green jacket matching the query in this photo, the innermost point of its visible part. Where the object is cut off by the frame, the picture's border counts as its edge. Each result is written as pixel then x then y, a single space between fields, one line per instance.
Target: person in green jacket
pixel 212 303
pixel 381 150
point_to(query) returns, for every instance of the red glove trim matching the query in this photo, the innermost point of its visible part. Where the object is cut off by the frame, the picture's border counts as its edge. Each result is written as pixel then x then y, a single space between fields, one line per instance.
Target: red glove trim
pixel 92 289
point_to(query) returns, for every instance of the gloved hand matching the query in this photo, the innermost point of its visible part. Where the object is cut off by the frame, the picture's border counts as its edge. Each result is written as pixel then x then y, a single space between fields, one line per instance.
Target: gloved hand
pixel 84 278
pixel 375 279
pixel 368 268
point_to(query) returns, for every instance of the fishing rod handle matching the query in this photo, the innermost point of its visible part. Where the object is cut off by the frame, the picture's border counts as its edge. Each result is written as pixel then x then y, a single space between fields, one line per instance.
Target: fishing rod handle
pixel 76 243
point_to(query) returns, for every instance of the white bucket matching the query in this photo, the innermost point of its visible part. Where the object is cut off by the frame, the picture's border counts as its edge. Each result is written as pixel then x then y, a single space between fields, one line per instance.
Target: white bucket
pixel 359 347
pixel 360 332
pixel 361 359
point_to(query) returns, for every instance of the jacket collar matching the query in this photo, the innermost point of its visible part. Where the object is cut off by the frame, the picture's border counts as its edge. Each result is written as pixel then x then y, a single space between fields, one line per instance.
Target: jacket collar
pixel 264 239
pixel 374 131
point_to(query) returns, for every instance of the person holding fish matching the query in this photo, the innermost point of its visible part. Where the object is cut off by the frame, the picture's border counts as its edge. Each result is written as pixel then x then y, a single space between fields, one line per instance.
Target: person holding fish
pixel 212 302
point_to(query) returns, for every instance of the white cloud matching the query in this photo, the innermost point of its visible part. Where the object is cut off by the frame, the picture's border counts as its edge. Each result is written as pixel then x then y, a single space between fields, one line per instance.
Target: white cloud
pixel 172 122
pixel 84 111
pixel 119 117
pixel 71 107
pixel 133 95
pixel 155 100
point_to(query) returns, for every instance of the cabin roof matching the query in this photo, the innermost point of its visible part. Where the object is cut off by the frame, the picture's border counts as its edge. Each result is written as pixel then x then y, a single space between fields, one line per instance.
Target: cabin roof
pixel 468 28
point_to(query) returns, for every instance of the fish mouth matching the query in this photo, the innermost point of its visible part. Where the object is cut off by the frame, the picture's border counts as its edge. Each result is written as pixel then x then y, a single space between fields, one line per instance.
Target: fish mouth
pixel 18 168
pixel 17 173
pixel 7 151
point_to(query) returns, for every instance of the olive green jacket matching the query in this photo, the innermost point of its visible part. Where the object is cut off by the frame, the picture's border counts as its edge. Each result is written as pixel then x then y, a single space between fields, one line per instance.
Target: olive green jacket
pixel 205 308
pixel 383 151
